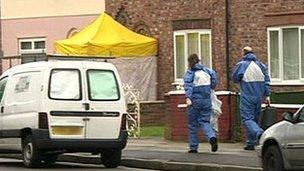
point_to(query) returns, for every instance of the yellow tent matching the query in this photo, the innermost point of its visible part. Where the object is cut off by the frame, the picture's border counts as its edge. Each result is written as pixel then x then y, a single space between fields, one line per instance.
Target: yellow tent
pixel 107 38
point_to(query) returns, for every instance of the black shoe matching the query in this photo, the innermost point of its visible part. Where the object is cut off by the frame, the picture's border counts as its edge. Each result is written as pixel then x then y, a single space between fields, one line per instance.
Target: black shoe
pixel 249 147
pixel 213 142
pixel 192 151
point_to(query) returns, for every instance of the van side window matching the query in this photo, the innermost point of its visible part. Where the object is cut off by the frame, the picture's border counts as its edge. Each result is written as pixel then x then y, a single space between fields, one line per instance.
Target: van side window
pixel 3 82
pixel 23 84
pixel 102 85
pixel 65 84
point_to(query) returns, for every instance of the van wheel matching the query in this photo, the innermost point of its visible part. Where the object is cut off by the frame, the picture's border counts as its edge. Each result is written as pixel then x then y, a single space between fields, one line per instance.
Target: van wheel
pixel 111 157
pixel 50 159
pixel 30 154
pixel 272 160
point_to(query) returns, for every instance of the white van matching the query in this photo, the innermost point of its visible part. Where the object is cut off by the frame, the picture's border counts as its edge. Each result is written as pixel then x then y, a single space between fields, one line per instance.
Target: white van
pixel 49 108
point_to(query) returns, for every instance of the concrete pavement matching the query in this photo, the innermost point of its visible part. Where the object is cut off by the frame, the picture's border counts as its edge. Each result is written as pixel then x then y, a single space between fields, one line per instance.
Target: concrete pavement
pixel 160 154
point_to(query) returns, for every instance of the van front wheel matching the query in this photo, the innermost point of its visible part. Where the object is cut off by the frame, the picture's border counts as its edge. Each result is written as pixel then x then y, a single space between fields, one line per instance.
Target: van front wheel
pixel 111 158
pixel 49 159
pixel 30 154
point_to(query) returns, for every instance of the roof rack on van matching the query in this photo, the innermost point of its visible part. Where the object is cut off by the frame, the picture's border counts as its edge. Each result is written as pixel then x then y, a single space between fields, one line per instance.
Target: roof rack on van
pixel 76 57
pixel 34 57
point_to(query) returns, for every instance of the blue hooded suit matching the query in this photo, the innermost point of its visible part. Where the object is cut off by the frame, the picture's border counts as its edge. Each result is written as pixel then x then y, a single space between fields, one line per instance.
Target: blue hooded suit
pixel 199 81
pixel 252 75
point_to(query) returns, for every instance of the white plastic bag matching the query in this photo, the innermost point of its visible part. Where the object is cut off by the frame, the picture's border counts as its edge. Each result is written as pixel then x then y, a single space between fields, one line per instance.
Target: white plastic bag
pixel 216 111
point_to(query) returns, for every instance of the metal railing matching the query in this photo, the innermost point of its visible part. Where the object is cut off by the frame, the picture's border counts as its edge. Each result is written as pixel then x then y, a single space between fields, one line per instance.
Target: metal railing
pixel 133 114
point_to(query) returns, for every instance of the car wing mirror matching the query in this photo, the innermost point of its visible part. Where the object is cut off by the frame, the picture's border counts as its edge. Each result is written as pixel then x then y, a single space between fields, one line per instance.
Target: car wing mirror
pixel 287 116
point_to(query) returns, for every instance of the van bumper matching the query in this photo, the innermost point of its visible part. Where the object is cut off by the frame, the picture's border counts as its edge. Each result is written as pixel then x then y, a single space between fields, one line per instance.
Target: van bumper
pixel 44 142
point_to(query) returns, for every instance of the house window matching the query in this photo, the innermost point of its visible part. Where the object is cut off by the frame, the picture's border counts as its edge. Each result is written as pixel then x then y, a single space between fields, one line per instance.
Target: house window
pixel 187 42
pixel 32 50
pixel 286 55
pixel 35 45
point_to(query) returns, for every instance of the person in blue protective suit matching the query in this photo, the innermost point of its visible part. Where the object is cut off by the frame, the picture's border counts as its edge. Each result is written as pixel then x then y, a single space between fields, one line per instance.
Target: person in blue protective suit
pixel 198 82
pixel 252 75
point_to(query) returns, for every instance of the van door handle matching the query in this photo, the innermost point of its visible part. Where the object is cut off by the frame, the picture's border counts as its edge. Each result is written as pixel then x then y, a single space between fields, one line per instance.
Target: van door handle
pixel 86 106
pixel 2 109
pixel 86 119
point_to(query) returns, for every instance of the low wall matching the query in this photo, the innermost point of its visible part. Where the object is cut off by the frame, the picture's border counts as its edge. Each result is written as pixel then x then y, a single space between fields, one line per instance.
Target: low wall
pixel 152 113
pixel 176 119
pixel 230 126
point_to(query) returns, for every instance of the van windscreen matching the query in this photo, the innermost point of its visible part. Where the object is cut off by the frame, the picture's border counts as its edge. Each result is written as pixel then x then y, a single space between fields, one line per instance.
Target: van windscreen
pixel 65 84
pixel 102 85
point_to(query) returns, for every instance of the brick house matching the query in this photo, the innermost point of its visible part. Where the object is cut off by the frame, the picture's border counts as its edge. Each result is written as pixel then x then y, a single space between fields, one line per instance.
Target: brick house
pixel 217 30
pixel 249 23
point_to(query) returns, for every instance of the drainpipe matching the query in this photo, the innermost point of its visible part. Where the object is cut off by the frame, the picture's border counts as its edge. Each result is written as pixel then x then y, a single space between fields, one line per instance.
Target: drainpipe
pixel 227 10
pixel 234 126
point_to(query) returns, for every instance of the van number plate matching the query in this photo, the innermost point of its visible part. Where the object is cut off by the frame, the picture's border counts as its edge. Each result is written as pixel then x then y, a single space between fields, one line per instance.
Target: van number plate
pixel 67 130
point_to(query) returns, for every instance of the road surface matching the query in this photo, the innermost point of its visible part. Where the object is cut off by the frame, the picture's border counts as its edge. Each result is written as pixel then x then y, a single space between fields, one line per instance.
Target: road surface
pixel 17 165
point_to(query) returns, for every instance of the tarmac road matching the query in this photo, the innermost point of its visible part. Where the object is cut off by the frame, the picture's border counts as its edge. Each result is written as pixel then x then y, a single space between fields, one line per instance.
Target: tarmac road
pixel 17 165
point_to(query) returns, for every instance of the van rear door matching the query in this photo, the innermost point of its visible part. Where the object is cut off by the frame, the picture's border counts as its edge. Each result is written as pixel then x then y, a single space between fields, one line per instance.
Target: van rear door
pixel 105 103
pixel 65 103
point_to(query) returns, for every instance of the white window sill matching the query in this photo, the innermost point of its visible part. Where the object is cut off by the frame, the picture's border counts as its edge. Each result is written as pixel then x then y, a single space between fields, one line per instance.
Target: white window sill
pixel 285 106
pixel 286 83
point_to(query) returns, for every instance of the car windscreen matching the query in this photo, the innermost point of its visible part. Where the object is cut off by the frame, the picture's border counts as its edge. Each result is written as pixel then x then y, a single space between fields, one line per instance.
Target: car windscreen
pixel 3 82
pixel 102 85
pixel 65 84
pixel 301 115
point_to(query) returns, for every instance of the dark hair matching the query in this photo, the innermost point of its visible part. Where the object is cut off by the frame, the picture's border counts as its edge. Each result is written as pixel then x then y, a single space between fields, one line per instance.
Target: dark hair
pixel 192 60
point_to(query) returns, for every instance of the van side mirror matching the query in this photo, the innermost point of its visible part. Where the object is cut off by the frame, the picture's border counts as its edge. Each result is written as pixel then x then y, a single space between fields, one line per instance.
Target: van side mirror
pixel 287 116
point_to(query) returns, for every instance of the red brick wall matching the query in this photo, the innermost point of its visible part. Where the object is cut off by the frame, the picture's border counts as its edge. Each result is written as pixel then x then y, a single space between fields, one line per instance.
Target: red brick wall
pixel 152 113
pixel 176 119
pixel 227 121
pixel 159 16
pixel 249 22
pixel 248 26
pixel 230 126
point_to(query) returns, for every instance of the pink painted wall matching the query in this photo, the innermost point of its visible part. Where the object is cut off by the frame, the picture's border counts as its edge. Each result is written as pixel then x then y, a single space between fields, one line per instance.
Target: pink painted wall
pixel 52 28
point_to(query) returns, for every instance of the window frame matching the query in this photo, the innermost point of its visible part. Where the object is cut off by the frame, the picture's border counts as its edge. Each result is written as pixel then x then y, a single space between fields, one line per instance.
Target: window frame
pixel 280 80
pixel 185 33
pixel 32 50
pixel 79 80
pixel 89 88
